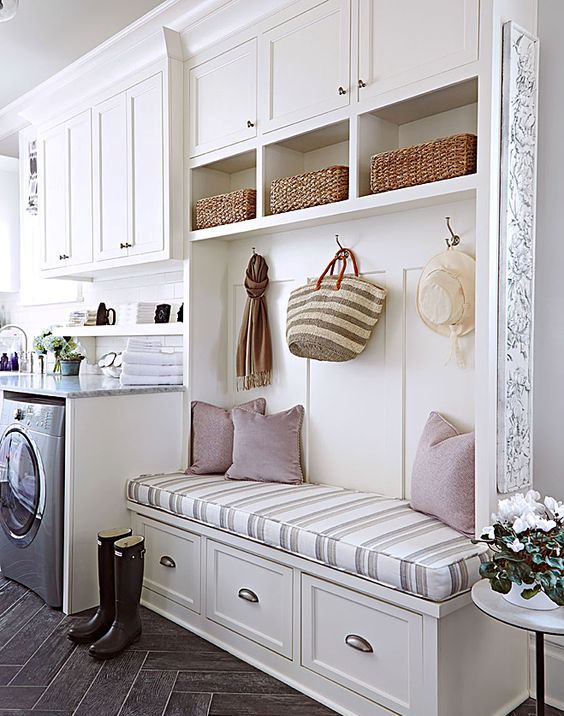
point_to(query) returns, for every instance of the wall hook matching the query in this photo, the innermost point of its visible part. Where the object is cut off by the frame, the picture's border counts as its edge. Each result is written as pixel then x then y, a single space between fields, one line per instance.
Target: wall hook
pixel 453 239
pixel 341 247
pixel 254 251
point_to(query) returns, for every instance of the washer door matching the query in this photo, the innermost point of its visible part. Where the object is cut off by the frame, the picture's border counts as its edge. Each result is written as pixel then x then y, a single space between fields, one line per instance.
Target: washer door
pixel 22 487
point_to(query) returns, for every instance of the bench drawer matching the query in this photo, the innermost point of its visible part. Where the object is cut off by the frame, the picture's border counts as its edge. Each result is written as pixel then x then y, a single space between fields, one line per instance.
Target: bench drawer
pixel 368 646
pixel 250 595
pixel 172 563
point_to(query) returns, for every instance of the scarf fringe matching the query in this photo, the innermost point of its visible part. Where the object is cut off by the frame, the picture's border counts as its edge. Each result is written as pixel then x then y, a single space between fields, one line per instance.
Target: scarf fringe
pixel 255 380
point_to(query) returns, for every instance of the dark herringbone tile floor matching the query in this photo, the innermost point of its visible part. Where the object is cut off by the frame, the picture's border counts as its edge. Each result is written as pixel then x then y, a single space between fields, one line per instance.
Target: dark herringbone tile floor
pixel 169 672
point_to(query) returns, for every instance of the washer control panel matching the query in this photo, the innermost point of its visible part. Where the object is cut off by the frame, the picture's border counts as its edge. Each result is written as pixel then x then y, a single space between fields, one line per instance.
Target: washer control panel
pixel 40 416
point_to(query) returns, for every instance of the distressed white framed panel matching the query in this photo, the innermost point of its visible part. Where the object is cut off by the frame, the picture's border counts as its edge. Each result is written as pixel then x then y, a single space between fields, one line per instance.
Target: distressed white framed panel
pixel 516 258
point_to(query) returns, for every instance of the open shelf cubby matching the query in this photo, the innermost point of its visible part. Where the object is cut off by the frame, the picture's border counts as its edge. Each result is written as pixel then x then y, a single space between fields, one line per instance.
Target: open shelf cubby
pixel 223 176
pixel 309 152
pixel 450 110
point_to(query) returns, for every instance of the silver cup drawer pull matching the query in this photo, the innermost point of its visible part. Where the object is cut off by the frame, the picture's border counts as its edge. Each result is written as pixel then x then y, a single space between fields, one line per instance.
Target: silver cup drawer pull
pixel 358 643
pixel 167 561
pixel 248 596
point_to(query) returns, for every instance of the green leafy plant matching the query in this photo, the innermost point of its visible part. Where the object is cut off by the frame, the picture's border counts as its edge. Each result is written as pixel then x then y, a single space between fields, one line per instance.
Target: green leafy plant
pixel 527 544
pixel 71 351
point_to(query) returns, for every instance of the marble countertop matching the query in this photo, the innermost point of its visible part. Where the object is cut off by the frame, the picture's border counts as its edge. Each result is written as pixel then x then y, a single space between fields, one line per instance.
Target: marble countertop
pixel 82 386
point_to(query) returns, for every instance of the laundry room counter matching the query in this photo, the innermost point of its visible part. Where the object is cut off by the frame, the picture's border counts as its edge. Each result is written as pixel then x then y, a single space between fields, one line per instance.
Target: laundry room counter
pixel 81 386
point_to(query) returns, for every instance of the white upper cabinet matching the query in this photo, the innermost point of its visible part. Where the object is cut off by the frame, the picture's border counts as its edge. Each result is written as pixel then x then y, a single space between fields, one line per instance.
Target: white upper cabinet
pixel 223 99
pixel 65 170
pixel 146 166
pixel 405 41
pixel 51 161
pixel 110 178
pixel 305 61
pixel 79 167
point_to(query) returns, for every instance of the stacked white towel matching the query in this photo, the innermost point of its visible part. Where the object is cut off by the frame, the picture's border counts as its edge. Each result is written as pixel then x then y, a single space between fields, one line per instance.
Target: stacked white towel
pixel 140 312
pixel 146 362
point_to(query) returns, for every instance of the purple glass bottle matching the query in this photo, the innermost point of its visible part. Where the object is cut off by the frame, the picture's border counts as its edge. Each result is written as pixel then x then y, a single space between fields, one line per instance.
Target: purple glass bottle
pixel 15 361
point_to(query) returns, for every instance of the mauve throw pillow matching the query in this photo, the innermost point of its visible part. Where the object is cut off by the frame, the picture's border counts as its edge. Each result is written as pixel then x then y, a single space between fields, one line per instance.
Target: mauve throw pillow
pixel 266 448
pixel 212 436
pixel 443 477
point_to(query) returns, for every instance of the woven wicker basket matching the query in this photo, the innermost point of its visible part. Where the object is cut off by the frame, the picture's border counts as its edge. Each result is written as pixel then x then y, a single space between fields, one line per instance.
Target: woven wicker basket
pixel 310 189
pixel 226 208
pixel 442 159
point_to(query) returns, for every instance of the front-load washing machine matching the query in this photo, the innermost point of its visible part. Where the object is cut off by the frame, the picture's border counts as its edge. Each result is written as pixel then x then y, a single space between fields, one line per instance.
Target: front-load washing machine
pixel 32 459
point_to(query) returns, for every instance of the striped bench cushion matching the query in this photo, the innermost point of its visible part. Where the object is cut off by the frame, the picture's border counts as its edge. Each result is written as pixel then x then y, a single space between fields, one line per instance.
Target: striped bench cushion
pixel 362 533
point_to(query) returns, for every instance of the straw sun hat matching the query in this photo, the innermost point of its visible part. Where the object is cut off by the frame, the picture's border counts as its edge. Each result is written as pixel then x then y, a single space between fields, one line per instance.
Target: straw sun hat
pixel 445 297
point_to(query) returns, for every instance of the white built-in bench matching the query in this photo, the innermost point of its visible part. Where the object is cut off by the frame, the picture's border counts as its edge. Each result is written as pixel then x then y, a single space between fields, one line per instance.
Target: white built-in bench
pixel 352 597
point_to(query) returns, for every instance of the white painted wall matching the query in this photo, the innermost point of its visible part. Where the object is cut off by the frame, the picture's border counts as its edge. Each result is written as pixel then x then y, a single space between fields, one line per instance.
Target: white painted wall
pixel 364 417
pixel 9 223
pixel 549 320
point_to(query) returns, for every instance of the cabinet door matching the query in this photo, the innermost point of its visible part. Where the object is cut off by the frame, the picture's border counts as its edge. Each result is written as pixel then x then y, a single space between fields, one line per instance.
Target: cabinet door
pixel 146 165
pixel 79 189
pixel 405 41
pixel 110 174
pixel 306 65
pixel 51 156
pixel 223 99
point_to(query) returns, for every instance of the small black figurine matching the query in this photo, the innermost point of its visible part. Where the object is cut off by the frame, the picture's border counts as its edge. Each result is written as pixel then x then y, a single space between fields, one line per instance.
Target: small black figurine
pixel 162 314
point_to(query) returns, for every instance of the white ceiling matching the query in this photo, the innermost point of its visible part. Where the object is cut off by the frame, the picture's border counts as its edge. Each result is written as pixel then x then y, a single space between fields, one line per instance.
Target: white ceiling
pixel 47 35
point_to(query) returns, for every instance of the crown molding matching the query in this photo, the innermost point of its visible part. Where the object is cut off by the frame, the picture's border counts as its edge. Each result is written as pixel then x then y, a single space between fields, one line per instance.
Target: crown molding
pixel 176 29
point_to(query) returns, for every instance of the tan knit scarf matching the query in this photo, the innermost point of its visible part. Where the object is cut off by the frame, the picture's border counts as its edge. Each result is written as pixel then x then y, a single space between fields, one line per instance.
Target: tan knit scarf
pixel 254 349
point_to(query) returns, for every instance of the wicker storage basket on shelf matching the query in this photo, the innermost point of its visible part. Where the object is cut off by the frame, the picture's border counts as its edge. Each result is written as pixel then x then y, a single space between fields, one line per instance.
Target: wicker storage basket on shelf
pixel 441 159
pixel 310 189
pixel 226 208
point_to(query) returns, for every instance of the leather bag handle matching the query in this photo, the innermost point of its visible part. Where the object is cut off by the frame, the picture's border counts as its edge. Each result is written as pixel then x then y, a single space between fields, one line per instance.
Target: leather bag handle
pixel 341 255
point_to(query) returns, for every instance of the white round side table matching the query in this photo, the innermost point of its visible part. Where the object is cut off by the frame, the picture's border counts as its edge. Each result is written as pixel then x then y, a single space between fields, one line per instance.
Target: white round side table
pixel 541 622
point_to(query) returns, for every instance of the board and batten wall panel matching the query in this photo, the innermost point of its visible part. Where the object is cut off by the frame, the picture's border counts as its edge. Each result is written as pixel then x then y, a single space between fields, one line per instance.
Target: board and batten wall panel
pixel 363 417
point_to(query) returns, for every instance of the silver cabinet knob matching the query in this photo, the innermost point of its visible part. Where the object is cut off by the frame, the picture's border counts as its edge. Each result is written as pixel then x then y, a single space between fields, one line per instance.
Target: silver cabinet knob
pixel 167 561
pixel 361 84
pixel 250 124
pixel 358 643
pixel 248 596
pixel 342 90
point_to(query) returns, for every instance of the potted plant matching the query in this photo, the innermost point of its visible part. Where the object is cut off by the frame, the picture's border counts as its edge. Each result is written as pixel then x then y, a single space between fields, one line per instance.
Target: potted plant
pixel 527 544
pixel 70 359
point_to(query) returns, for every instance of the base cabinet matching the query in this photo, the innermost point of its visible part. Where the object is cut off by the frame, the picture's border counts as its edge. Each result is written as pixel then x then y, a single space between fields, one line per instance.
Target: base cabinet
pixel 370 647
pixel 359 648
pixel 250 595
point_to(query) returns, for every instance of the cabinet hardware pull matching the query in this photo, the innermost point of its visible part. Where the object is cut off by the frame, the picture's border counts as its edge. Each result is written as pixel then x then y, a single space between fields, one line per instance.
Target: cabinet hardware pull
pixel 250 124
pixel 168 561
pixel 248 596
pixel 361 84
pixel 358 643
pixel 342 90
pixel 125 246
pixel 62 257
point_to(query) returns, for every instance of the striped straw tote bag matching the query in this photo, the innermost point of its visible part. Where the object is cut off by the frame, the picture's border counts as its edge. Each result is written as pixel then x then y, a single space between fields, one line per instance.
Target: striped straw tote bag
pixel 331 319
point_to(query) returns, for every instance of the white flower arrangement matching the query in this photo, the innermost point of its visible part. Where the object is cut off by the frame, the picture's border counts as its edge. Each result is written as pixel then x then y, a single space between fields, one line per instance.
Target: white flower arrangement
pixel 527 540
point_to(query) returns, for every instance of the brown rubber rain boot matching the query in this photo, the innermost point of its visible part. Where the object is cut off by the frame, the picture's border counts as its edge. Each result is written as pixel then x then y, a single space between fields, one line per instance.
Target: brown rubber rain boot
pixel 90 630
pixel 126 629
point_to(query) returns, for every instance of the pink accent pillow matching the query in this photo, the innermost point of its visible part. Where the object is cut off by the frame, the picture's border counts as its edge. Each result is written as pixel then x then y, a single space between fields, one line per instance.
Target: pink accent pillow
pixel 443 477
pixel 212 436
pixel 266 448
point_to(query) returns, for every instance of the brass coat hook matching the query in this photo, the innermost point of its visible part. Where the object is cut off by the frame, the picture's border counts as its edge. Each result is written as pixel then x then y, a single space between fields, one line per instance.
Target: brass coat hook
pixel 453 239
